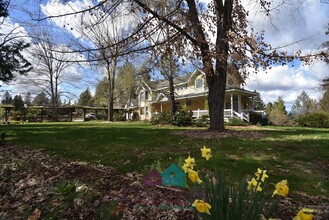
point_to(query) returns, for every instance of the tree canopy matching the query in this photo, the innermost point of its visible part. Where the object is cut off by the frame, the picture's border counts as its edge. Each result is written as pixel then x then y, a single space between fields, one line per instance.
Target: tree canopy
pixel 11 58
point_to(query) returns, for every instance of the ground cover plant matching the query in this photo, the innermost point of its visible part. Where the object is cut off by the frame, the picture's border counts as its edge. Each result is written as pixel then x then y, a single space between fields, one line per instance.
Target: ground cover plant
pixel 297 154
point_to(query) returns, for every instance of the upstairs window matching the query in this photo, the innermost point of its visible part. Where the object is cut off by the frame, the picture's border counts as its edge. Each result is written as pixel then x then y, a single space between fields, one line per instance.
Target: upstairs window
pixel 146 95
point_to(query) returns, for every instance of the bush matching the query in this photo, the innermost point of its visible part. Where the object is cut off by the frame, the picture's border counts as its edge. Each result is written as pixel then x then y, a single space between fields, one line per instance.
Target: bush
pixel 162 118
pixel 135 116
pixel 118 116
pixel 201 122
pixel 182 118
pixel 315 120
pixel 255 118
pixel 236 122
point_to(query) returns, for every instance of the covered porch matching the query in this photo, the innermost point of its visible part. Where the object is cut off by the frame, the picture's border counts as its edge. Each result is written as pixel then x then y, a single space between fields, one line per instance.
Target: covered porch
pixel 238 102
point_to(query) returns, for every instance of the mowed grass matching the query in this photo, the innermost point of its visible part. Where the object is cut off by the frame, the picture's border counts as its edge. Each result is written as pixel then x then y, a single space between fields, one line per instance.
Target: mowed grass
pixel 298 154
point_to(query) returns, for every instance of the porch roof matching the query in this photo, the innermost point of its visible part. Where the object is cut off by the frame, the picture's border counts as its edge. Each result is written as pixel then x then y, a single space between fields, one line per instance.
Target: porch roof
pixel 241 91
pixel 229 90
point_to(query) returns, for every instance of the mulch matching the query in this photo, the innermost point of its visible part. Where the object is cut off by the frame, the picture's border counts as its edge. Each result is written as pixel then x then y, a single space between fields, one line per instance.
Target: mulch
pixel 29 179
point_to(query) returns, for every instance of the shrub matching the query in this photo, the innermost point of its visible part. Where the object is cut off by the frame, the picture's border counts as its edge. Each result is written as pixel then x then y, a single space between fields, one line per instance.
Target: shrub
pixel 162 118
pixel 201 122
pixel 236 122
pixel 255 118
pixel 182 118
pixel 118 116
pixel 316 120
pixel 135 116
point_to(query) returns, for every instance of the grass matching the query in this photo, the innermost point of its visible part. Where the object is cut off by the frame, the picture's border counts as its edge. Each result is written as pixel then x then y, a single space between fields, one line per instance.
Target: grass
pixel 298 154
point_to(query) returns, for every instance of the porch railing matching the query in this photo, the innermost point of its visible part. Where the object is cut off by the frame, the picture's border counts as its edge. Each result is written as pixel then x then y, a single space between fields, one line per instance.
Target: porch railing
pixel 228 113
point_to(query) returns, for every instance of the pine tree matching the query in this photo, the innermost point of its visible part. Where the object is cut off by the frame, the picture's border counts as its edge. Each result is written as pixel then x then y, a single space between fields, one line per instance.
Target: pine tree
pixel 11 58
pixel 303 104
pixel 7 100
pixel 18 102
pixel 278 113
pixel 86 99
pixel 41 100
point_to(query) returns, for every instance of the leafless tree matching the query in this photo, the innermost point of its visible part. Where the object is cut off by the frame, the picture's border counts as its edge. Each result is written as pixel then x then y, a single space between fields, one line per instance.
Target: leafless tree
pixel 107 37
pixel 50 68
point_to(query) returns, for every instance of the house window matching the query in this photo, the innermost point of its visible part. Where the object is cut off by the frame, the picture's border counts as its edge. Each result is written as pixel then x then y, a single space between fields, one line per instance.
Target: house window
pixel 142 111
pixel 198 83
pixel 146 95
pixel 188 103
pixel 146 110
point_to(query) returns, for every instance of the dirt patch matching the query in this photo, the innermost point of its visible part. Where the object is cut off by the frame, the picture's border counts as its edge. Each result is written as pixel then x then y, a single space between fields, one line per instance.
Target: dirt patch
pixel 223 134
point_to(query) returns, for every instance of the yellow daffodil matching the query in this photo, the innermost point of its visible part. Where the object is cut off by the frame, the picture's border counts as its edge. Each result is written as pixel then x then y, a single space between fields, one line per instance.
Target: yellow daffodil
pixel 252 184
pixel 186 167
pixel 305 214
pixel 194 176
pixel 202 206
pixel 206 152
pixel 261 174
pixel 190 162
pixel 281 188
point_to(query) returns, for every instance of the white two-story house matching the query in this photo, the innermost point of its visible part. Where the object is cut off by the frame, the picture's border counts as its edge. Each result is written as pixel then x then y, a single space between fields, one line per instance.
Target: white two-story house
pixel 191 94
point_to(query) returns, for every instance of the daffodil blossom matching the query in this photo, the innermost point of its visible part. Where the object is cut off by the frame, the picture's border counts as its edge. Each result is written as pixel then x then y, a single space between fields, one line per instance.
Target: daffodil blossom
pixel 281 188
pixel 186 167
pixel 190 162
pixel 252 184
pixel 261 174
pixel 206 152
pixel 194 176
pixel 305 214
pixel 202 206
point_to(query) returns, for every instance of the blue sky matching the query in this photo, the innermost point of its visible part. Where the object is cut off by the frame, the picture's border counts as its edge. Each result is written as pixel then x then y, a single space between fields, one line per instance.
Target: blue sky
pixel 302 29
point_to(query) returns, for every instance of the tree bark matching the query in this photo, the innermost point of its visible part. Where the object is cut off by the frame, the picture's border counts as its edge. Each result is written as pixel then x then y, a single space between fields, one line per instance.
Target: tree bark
pixel 172 94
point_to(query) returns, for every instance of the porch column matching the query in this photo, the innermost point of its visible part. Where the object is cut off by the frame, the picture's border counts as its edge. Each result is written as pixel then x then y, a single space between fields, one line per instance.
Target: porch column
pixel 161 106
pixel 232 105
pixel 252 103
pixel 239 103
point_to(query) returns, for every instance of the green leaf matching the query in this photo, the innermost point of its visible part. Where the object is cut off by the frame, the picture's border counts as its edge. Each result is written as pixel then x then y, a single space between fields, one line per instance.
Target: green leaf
pixel 158 167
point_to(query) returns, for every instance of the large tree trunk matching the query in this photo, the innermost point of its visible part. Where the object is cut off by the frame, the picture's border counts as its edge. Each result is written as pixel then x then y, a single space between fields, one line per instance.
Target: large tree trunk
pixel 216 99
pixel 110 99
pixel 172 94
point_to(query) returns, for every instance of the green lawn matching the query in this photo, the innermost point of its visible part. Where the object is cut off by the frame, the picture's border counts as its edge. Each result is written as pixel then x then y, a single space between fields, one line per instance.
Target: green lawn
pixel 298 154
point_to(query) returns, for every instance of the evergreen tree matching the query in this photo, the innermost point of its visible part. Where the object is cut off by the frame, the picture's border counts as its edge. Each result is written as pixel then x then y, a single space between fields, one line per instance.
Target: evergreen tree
pixel 18 102
pixel 86 99
pixel 11 58
pixel 7 100
pixel 269 107
pixel 303 104
pixel 41 100
pixel 259 103
pixel 28 99
pixel 278 114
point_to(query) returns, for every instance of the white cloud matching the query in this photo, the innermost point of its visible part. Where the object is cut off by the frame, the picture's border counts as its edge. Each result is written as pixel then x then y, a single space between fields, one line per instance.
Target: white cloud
pixel 289 82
